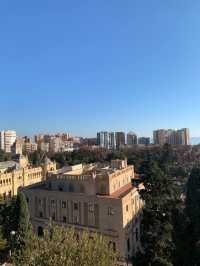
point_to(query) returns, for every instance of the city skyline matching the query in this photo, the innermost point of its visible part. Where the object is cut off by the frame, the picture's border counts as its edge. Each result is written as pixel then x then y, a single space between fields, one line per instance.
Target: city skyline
pixel 136 68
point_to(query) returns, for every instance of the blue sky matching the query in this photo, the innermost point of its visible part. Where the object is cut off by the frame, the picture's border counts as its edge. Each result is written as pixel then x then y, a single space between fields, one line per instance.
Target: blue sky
pixel 84 66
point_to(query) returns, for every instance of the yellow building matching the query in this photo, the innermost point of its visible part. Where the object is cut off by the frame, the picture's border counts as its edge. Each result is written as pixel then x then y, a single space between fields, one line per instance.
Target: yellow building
pixel 95 197
pixel 14 175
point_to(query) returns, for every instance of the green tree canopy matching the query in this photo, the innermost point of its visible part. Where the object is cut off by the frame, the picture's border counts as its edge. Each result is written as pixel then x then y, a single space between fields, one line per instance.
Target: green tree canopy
pixel 64 247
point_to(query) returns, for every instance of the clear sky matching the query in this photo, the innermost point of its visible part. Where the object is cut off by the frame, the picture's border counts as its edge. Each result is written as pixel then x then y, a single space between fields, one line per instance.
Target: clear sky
pixel 88 65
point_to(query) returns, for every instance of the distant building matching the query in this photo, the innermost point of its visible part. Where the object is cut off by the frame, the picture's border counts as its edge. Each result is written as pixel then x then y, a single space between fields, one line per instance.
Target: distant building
pixel 30 147
pixel 43 146
pixel 171 136
pixel 19 174
pixel 112 141
pixel 55 144
pixel 7 139
pixel 17 147
pixel 131 139
pixel 94 197
pixel 2 147
pixel 183 136
pixel 88 141
pixel 144 140
pixel 120 139
pixel 106 140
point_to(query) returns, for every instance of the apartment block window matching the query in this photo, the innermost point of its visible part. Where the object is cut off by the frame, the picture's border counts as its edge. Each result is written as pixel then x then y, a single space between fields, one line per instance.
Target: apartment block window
pixel 64 219
pixel 64 205
pixel 110 211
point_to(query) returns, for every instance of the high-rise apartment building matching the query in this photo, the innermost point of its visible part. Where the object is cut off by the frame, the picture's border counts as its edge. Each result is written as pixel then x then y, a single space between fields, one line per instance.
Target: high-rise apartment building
pixel 171 136
pixel 144 141
pixel 100 199
pixel 120 139
pixel 131 139
pixel 106 140
pixel 2 147
pixel 112 141
pixel 183 136
pixel 160 136
pixel 7 139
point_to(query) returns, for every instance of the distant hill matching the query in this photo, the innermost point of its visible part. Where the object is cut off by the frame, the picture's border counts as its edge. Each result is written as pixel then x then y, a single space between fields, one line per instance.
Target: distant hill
pixel 195 140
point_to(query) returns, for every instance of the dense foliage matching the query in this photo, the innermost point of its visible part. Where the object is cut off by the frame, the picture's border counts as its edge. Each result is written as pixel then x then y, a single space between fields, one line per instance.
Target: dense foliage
pixel 63 247
pixel 15 224
pixel 170 232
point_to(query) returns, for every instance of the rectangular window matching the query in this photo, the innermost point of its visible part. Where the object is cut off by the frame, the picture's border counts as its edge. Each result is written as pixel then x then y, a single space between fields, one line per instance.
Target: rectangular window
pixel 128 244
pixel 52 203
pixel 64 205
pixel 64 219
pixel 127 208
pixel 110 211
pixel 76 220
pixel 91 207
pixel 75 206
pixel 112 245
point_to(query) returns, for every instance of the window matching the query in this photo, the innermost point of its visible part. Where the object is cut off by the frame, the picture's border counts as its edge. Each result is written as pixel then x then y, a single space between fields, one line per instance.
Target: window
pixel 75 206
pixel 76 220
pixel 64 205
pixel 40 202
pixel 54 217
pixel 52 203
pixel 60 188
pixel 40 231
pixel 110 211
pixel 91 207
pixel 127 208
pixel 128 244
pixel 64 219
pixel 41 214
pixel 112 245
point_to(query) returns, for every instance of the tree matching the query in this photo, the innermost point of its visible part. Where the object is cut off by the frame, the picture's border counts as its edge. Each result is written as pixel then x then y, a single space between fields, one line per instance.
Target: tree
pixel 161 198
pixel 23 226
pixel 64 247
pixel 192 212
pixel 15 218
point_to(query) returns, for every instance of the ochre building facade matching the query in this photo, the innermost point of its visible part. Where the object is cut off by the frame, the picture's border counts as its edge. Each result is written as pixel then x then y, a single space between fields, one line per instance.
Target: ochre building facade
pixel 98 198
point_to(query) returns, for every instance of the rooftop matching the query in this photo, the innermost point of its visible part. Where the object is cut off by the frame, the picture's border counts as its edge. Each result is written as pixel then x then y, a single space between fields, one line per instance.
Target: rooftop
pixel 8 165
